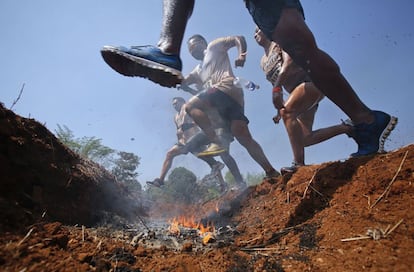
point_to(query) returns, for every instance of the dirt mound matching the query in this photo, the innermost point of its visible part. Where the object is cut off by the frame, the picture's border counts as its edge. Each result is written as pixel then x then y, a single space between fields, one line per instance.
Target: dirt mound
pixel 40 177
pixel 338 216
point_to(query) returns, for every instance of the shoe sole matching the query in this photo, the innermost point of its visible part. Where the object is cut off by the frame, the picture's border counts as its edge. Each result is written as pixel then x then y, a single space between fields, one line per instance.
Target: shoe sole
pixel 154 184
pixel 286 172
pixel 386 133
pixel 211 153
pixel 132 66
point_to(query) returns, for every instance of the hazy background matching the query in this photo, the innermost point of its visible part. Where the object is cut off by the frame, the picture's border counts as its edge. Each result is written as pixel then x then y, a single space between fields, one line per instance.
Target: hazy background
pixel 53 47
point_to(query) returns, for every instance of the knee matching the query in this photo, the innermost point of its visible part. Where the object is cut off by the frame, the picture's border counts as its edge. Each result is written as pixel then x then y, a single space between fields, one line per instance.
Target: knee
pixel 288 114
pixel 171 154
pixel 244 139
pixel 188 107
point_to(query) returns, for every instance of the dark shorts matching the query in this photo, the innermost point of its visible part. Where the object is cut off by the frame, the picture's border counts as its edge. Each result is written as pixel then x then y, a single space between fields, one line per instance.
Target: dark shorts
pixel 226 106
pixel 266 13
pixel 199 141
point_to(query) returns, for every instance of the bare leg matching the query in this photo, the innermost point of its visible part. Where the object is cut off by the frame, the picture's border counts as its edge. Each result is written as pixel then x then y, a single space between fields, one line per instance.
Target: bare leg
pixel 209 160
pixel 196 108
pixel 174 21
pixel 298 41
pixel 241 131
pixel 302 98
pixel 323 134
pixel 232 165
pixel 171 154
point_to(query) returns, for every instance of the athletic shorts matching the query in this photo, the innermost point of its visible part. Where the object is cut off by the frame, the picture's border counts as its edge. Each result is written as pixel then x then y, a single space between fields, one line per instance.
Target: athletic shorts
pixel 226 106
pixel 199 141
pixel 266 13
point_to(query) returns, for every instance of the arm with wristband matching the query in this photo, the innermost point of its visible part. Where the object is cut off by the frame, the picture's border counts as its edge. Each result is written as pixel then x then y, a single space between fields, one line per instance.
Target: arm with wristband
pixel 277 91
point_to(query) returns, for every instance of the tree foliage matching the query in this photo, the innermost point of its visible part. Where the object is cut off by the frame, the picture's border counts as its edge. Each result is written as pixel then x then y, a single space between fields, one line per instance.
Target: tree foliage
pixel 123 165
pixel 87 147
pixel 181 184
pixel 253 179
pixel 125 169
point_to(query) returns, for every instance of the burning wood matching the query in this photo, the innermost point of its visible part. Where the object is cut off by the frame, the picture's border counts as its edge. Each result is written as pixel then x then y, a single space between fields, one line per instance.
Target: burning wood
pixel 209 237
pixel 189 222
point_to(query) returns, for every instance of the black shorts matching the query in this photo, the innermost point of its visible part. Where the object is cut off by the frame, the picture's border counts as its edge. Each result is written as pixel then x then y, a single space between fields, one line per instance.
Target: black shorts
pixel 226 106
pixel 266 13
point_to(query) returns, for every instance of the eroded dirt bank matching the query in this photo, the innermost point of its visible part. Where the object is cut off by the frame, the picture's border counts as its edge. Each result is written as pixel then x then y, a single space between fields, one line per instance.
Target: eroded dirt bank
pixel 354 215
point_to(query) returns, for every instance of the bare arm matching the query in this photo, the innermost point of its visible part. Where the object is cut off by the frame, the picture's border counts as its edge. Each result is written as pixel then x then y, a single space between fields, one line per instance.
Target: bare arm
pixel 188 89
pixel 277 92
pixel 242 48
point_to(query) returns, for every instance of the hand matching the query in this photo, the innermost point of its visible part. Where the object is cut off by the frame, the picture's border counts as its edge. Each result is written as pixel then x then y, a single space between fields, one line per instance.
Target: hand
pixel 277 118
pixel 240 61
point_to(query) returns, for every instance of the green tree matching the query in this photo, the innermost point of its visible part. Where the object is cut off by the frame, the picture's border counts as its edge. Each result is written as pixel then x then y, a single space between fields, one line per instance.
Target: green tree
pixel 182 183
pixel 66 136
pixel 125 170
pixel 181 186
pixel 228 177
pixel 123 167
pixel 254 179
pixel 87 147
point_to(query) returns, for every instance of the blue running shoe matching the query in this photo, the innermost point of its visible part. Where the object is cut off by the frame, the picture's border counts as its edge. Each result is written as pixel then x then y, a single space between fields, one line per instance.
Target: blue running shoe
pixel 145 61
pixel 371 137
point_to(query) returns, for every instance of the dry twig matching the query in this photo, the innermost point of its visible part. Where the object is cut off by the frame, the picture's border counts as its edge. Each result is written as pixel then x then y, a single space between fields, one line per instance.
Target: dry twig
pixel 374 234
pixel 251 240
pixel 309 183
pixel 18 97
pixel 25 237
pixel 260 249
pixel 395 226
pixel 391 182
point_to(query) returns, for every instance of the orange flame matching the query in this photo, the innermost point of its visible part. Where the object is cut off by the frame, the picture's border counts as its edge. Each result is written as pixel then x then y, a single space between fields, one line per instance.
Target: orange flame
pixel 189 222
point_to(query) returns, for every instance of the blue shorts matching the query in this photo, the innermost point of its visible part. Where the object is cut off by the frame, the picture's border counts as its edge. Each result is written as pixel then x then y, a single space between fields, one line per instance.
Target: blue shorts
pixel 226 106
pixel 266 13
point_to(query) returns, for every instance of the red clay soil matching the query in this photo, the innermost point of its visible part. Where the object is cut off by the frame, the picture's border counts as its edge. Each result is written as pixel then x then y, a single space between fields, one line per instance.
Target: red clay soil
pixel 338 216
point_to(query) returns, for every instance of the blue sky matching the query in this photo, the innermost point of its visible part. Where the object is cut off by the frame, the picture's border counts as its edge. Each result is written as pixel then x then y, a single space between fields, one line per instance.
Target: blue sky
pixel 53 48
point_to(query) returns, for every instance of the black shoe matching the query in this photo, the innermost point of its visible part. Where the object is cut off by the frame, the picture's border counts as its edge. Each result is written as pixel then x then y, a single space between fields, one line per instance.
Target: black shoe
pixel 156 182
pixel 272 177
pixel 290 169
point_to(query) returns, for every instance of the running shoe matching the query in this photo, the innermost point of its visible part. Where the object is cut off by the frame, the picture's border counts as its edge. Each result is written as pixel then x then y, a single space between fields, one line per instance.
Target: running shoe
pixel 239 186
pixel 156 182
pixel 144 61
pixel 290 169
pixel 272 177
pixel 371 137
pixel 212 150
